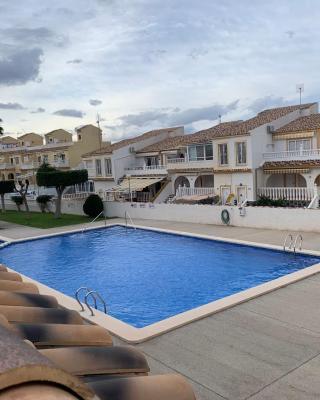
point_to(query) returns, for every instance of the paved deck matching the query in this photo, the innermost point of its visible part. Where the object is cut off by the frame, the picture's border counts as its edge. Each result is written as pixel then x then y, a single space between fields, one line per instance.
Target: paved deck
pixel 267 348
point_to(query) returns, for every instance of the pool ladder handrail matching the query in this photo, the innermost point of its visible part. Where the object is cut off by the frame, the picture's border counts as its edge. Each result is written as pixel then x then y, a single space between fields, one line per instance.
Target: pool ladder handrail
pixel 289 235
pixel 94 220
pixel 299 236
pixel 293 242
pixel 126 215
pixel 94 294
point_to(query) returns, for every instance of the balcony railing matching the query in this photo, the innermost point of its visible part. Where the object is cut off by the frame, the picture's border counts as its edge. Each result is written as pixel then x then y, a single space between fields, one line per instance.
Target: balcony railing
pixel 183 191
pixel 6 165
pixel 312 154
pixel 177 163
pixel 147 169
pixel 288 193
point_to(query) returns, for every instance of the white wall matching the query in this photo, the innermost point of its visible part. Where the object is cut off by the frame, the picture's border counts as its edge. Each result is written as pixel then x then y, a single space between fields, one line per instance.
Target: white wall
pixel 68 206
pixel 256 217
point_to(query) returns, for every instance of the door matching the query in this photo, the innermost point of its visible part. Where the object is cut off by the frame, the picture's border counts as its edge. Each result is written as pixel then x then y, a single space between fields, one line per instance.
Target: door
pixel 241 194
pixel 225 191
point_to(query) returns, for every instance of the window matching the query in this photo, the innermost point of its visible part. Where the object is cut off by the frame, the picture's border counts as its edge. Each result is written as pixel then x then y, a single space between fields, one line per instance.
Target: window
pixel 223 153
pixel 98 168
pixel 45 159
pixel 107 166
pixel 241 152
pixel 200 152
pixel 79 137
pixel 302 144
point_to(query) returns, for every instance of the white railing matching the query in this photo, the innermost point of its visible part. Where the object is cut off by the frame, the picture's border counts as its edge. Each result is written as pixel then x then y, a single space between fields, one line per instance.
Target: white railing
pixel 6 165
pixel 61 164
pixel 288 193
pixel 147 169
pixel 311 154
pixel 183 191
pixel 176 163
pixel 75 196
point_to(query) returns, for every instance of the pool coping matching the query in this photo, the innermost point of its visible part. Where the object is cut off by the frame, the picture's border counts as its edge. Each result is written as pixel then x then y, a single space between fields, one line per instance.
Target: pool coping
pixel 133 335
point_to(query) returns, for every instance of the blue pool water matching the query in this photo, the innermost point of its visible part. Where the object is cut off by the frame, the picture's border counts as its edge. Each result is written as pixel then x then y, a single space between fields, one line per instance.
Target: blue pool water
pixel 147 276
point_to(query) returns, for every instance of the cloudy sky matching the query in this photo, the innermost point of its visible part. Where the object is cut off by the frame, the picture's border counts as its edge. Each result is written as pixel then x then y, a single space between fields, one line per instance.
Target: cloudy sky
pixel 144 64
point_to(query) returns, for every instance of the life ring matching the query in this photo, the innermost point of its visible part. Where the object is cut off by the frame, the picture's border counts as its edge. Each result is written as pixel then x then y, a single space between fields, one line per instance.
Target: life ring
pixel 225 217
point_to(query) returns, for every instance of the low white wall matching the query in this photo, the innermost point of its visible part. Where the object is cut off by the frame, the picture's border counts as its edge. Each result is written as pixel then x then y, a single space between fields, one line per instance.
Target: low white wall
pixel 255 217
pixel 67 207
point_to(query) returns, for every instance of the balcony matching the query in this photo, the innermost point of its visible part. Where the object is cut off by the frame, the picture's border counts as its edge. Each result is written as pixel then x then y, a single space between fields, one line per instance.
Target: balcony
pixel 312 154
pixel 185 163
pixel 6 166
pixel 147 170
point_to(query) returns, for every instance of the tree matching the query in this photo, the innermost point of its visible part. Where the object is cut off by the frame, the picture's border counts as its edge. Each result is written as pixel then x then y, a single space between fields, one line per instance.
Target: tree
pixel 93 206
pixel 5 187
pixel 18 200
pixel 22 189
pixel 1 129
pixel 48 176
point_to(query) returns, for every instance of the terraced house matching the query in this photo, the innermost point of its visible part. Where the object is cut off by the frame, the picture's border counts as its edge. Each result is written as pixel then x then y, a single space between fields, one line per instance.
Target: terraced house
pixel 21 157
pixel 231 159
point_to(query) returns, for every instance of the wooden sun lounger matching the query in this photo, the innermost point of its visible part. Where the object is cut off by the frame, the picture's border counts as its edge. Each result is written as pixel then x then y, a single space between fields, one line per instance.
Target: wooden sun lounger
pixel 41 315
pixel 10 276
pixel 27 299
pixel 14 286
pixel 98 360
pixel 158 387
pixel 47 335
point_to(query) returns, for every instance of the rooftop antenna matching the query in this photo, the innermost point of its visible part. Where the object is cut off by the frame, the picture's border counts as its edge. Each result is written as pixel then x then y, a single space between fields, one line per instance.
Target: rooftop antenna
pixel 300 89
pixel 219 117
pixel 98 123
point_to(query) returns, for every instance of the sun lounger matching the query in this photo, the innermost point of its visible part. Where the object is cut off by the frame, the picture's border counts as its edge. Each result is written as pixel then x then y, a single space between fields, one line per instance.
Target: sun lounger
pixel 158 387
pixel 47 335
pixel 27 299
pixel 3 268
pixel 98 360
pixel 13 286
pixel 40 315
pixel 10 276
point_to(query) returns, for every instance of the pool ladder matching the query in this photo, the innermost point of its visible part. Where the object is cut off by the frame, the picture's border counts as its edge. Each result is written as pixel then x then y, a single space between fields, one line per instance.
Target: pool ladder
pixel 127 217
pixel 90 293
pixel 293 242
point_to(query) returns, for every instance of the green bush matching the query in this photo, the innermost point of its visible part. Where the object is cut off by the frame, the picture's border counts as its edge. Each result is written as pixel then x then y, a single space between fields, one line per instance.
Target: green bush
pixel 265 201
pixel 18 200
pixel 43 201
pixel 93 206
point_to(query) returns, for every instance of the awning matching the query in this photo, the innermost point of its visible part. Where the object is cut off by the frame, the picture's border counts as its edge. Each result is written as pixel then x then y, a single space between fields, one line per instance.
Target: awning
pixel 135 184
pixel 293 135
pixel 287 171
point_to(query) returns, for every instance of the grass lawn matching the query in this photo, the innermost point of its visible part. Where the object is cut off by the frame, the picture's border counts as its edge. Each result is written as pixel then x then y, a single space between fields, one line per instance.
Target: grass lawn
pixel 44 221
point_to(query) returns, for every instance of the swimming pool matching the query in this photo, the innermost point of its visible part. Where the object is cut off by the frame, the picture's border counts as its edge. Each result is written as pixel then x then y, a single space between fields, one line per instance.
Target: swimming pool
pixel 146 276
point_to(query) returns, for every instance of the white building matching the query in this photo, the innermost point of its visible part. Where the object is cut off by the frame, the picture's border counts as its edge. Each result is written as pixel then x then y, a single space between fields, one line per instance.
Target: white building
pixel 229 160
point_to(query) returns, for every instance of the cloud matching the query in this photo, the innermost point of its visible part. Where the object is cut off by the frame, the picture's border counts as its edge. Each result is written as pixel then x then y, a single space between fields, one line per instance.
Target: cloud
pixel 38 111
pixel 75 61
pixel 69 112
pixel 175 116
pixel 95 102
pixel 21 67
pixel 266 102
pixel 11 106
pixel 33 36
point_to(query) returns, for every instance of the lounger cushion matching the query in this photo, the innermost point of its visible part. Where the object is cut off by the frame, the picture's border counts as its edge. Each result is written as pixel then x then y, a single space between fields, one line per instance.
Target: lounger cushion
pixel 13 286
pixel 98 360
pixel 27 299
pixel 10 276
pixel 159 387
pixel 64 335
pixel 40 315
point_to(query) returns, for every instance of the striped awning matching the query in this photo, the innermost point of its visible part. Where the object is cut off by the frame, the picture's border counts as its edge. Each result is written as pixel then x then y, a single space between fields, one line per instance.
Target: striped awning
pixel 293 135
pixel 135 184
pixel 287 171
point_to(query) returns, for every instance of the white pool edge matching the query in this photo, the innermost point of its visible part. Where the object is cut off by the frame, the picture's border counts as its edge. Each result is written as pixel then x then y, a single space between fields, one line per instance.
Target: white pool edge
pixel 134 335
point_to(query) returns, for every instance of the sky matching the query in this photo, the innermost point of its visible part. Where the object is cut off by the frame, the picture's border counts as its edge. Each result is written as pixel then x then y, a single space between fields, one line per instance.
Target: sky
pixel 147 64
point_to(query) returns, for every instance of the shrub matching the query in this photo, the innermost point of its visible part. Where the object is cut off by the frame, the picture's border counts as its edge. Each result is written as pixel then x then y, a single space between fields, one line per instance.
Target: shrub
pixel 265 201
pixel 43 201
pixel 18 200
pixel 93 206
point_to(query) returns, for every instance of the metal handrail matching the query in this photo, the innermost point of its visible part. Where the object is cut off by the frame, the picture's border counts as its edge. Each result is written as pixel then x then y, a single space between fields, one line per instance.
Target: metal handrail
pixel 95 294
pixel 285 242
pixel 295 242
pixel 94 220
pixel 77 296
pixel 126 215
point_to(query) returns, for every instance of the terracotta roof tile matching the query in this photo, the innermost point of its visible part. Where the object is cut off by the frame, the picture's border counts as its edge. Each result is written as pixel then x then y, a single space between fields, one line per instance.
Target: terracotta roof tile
pixel 307 123
pixel 108 149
